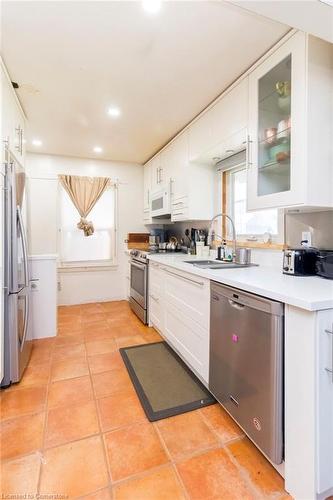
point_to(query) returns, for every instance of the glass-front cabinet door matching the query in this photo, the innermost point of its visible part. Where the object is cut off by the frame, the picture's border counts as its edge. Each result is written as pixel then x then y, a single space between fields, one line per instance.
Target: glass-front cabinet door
pixel 274 129
pixel 276 95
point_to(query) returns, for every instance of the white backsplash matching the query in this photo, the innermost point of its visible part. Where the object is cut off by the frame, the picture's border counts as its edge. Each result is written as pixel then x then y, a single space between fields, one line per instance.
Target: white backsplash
pixel 320 224
pixel 265 257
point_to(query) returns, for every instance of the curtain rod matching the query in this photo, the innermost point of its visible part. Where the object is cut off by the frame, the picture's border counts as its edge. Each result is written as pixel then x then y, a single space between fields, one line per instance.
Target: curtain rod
pixel 115 183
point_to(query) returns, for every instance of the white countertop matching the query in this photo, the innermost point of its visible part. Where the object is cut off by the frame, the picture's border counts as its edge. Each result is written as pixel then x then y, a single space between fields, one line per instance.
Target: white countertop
pixel 307 292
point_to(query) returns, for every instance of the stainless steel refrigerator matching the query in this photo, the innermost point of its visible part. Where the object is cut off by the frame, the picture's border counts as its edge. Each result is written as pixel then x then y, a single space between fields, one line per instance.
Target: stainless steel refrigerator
pixel 17 345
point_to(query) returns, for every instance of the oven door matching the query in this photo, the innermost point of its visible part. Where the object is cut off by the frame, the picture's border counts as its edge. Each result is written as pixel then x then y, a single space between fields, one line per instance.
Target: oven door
pixel 139 283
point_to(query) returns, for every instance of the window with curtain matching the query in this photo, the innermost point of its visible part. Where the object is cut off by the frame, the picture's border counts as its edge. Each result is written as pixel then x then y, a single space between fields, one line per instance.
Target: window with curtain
pixel 75 248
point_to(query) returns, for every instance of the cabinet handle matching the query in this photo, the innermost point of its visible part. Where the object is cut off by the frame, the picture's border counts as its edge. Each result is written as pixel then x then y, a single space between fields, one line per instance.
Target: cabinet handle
pixel 21 141
pixel 154 298
pixel 171 184
pixel 248 152
pixel 161 170
pixel 178 203
pixel 18 145
pixel 199 283
pixel 330 370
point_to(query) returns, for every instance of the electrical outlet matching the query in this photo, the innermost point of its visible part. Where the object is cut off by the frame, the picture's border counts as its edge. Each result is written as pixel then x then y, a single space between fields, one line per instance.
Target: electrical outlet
pixel 34 285
pixel 307 236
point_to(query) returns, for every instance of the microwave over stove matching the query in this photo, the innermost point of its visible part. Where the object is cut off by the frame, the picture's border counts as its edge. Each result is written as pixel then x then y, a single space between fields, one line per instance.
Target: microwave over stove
pixel 160 202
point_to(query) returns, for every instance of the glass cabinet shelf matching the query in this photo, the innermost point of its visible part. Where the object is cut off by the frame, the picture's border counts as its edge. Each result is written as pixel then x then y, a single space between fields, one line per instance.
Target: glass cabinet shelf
pixel 275 167
pixel 276 137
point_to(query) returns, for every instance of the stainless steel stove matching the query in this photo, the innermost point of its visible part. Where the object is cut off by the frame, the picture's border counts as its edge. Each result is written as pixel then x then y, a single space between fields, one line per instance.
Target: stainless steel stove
pixel 139 284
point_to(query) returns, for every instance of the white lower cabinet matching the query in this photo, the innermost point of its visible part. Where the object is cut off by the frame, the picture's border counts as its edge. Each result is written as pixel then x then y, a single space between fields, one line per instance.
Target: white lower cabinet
pixel 308 403
pixel 188 338
pixel 189 294
pixel 155 296
pixel 128 278
pixel 325 401
pixel 2 272
pixel 179 309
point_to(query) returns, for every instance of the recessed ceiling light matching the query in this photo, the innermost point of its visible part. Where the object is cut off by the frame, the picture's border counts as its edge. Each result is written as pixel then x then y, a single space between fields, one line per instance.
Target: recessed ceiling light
pixel 151 6
pixel 114 112
pixel 97 149
pixel 328 2
pixel 36 142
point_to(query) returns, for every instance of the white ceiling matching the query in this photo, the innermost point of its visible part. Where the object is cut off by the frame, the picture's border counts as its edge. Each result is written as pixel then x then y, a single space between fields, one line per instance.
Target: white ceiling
pixel 75 59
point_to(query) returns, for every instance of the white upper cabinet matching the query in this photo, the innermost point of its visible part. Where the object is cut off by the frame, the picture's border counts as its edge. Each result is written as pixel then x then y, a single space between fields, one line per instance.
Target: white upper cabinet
pixel 179 166
pixel 230 114
pixel 155 166
pixel 191 184
pixel 222 130
pixel 166 165
pixel 12 118
pixel 147 184
pixel 200 136
pixel 290 127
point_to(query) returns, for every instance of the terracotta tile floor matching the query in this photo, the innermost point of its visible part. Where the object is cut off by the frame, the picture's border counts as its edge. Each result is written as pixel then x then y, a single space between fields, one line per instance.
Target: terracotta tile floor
pixel 74 426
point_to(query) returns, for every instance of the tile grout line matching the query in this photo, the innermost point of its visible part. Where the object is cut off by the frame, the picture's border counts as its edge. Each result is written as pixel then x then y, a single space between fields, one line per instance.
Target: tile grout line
pixel 45 421
pixel 103 444
pixel 180 481
pixel 224 446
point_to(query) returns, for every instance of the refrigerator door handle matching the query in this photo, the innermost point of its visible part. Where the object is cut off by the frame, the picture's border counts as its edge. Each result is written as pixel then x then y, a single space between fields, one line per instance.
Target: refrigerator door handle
pixel 24 246
pixel 26 319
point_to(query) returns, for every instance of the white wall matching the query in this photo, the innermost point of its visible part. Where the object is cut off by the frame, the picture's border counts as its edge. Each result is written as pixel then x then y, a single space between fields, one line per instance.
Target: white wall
pixel 42 170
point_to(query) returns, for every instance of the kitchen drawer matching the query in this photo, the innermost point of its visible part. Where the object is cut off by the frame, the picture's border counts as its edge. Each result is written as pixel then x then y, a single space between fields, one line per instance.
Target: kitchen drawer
pixel 155 284
pixel 180 202
pixel 179 208
pixel 189 294
pixel 147 216
pixel 155 311
pixel 155 274
pixel 155 292
pixel 180 214
pixel 188 338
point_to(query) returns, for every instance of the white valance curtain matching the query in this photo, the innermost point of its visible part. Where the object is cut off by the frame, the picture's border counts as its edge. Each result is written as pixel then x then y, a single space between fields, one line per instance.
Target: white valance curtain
pixel 84 193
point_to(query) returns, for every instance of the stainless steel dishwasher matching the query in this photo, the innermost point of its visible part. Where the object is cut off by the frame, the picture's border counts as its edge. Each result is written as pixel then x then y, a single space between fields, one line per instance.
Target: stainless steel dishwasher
pixel 246 364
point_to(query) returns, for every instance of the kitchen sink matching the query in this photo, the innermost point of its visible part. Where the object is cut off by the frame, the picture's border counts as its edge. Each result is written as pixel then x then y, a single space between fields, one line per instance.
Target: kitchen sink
pixel 217 264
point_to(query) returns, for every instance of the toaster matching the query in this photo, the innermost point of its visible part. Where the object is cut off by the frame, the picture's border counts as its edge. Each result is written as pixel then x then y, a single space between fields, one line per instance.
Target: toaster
pixel 300 261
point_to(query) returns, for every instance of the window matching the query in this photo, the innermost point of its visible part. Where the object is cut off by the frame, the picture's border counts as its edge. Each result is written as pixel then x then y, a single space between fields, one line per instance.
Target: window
pixel 249 225
pixel 77 250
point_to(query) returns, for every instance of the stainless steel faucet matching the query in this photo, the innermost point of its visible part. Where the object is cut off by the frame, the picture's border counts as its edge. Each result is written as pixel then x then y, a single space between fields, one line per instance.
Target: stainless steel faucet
pixel 233 232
